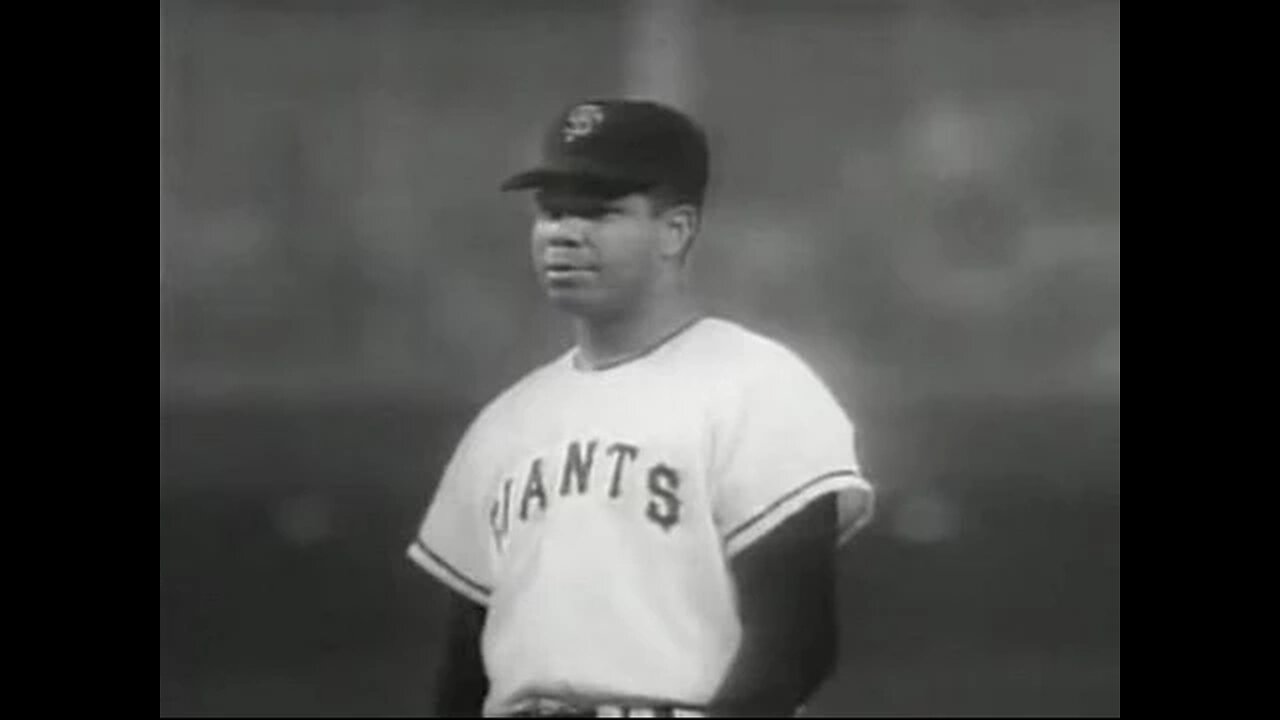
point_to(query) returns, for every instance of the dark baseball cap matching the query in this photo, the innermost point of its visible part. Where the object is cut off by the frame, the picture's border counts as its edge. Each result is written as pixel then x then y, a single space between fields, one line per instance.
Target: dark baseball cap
pixel 623 146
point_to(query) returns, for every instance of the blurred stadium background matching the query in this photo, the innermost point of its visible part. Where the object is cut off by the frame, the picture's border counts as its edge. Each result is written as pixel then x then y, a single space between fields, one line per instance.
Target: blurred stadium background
pixel 922 197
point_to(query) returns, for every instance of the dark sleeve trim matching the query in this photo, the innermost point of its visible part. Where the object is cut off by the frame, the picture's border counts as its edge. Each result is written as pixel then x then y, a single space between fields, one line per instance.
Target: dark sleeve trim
pixel 782 500
pixel 455 572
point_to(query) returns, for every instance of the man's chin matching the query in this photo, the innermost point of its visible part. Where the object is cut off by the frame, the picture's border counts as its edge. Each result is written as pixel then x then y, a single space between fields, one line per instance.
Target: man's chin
pixel 578 303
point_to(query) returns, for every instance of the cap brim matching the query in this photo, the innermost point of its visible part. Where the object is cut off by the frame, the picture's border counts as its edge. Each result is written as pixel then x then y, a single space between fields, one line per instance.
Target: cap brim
pixel 529 179
pixel 597 181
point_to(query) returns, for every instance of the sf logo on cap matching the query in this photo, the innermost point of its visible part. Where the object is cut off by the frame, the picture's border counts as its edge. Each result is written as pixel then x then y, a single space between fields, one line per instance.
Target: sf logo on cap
pixel 582 121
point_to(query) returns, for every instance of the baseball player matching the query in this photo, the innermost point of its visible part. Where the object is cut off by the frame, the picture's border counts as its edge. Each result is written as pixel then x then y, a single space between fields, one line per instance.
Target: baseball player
pixel 646 525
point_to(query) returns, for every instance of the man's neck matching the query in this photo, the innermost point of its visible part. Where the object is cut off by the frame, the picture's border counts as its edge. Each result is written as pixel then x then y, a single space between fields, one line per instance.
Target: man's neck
pixel 603 342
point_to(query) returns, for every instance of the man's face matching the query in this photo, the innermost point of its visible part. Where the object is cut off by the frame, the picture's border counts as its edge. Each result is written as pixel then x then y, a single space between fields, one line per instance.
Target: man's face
pixel 596 255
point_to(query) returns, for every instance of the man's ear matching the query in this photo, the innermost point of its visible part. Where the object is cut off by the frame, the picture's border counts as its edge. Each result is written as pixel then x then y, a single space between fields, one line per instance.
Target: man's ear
pixel 679 226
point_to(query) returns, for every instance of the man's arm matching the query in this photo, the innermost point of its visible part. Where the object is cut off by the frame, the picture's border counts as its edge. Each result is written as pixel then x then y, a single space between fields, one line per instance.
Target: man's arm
pixel 461 683
pixel 786 590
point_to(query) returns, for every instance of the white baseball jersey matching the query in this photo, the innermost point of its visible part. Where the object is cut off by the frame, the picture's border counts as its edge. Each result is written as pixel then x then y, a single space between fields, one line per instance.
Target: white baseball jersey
pixel 594 512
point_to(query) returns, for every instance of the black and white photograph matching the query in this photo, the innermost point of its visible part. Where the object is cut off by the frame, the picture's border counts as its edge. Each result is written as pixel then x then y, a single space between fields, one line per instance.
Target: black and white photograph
pixel 639 358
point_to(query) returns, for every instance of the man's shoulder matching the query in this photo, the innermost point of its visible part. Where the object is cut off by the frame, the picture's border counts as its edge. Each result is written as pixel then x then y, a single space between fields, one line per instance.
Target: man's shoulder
pixel 748 353
pixel 759 371
pixel 524 389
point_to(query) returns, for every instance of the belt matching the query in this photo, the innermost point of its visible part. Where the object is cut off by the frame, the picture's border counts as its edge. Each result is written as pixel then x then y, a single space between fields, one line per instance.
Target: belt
pixel 543 709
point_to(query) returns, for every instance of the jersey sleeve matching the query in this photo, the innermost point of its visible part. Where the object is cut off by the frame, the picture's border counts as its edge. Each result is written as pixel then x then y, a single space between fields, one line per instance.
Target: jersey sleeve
pixel 786 442
pixel 453 542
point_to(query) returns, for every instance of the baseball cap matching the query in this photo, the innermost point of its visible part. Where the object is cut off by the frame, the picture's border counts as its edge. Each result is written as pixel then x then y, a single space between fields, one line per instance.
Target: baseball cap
pixel 622 144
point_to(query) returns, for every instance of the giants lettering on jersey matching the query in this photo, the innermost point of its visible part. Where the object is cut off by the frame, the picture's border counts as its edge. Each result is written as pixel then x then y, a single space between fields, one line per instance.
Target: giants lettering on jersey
pixel 588 468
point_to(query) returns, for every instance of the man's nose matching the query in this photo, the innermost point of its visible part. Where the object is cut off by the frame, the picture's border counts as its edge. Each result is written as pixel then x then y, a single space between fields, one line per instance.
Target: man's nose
pixel 565 231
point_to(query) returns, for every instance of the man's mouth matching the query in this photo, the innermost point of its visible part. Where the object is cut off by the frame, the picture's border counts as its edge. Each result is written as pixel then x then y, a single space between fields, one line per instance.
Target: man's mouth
pixel 560 268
